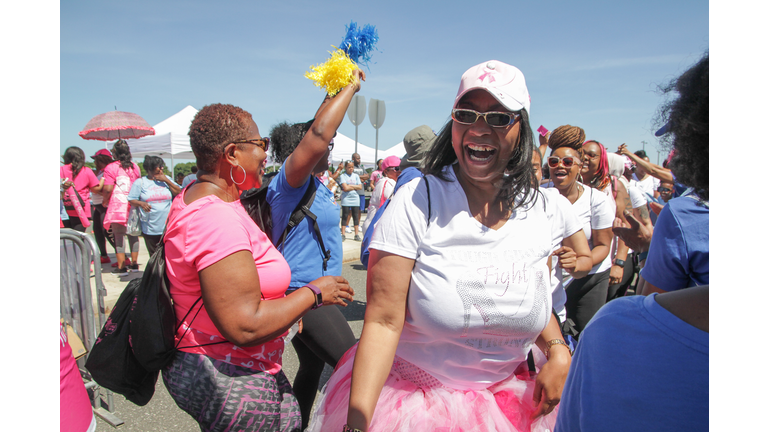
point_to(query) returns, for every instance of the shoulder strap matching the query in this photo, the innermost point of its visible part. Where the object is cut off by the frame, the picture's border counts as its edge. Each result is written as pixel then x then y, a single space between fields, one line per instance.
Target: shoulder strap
pixel 299 213
pixel 429 201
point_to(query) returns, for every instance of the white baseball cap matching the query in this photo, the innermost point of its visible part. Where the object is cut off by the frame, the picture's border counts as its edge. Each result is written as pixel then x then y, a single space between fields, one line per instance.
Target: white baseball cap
pixel 506 83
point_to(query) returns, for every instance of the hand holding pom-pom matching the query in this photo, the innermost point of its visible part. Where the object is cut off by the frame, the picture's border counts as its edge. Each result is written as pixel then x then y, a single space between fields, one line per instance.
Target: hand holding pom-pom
pixel 334 74
pixel 357 76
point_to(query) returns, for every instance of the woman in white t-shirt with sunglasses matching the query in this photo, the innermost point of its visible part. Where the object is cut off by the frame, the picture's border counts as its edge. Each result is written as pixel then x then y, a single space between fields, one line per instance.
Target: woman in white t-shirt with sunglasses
pixel 458 284
pixel 595 211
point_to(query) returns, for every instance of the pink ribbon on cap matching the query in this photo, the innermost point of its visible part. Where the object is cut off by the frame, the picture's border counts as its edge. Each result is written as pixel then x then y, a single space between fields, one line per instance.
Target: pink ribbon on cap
pixel 488 74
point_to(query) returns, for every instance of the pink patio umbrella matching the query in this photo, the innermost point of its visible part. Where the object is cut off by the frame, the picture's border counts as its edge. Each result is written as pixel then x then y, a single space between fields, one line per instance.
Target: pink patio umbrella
pixel 115 125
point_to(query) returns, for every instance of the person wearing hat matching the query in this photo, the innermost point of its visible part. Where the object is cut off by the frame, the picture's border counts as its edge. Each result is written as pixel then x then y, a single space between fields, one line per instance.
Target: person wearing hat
pixel 417 143
pixel 101 159
pixel 458 283
pixel 390 170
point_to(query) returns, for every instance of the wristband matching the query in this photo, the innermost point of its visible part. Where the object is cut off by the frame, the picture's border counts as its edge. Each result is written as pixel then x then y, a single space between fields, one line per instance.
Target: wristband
pixel 346 428
pixel 619 262
pixel 318 295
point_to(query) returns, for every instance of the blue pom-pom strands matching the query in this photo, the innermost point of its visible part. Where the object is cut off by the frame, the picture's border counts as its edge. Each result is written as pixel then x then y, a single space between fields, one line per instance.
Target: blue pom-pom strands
pixel 356 48
pixel 359 43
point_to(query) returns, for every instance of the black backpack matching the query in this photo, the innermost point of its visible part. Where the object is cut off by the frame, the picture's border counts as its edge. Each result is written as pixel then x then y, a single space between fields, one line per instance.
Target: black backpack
pixel 255 203
pixel 111 361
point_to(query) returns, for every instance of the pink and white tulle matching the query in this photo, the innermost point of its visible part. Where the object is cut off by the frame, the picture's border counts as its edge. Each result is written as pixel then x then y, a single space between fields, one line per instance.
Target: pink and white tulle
pixel 413 400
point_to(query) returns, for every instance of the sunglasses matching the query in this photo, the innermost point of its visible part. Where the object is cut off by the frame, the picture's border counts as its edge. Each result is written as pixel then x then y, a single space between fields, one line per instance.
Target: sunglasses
pixel 554 161
pixel 397 168
pixel 493 118
pixel 263 143
pixel 663 189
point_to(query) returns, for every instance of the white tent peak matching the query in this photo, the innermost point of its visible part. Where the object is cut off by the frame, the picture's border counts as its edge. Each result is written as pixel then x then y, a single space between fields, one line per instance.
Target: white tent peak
pixel 177 122
pixel 171 138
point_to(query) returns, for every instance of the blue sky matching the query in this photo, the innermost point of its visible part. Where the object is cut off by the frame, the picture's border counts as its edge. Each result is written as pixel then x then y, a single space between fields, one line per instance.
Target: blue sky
pixel 591 64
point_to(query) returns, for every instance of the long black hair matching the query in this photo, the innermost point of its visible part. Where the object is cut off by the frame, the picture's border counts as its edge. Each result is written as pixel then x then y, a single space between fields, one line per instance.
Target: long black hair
pixel 75 156
pixel 516 187
pixel 122 153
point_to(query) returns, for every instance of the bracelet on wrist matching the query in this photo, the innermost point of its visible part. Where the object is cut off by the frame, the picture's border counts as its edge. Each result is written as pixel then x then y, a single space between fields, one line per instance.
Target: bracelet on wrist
pixel 554 342
pixel 346 428
pixel 618 262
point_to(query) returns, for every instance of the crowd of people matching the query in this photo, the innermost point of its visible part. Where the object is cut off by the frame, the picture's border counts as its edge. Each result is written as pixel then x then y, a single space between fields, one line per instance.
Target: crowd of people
pixel 511 285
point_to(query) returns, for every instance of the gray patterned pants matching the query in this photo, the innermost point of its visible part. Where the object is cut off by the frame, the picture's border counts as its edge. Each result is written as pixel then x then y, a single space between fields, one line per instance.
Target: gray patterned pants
pixel 224 397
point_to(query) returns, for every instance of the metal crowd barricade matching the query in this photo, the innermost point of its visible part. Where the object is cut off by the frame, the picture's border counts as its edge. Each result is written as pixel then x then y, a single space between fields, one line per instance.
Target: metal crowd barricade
pixel 77 250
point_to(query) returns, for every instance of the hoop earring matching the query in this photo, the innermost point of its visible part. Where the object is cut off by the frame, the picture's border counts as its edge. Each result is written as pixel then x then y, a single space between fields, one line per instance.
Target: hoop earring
pixel 245 175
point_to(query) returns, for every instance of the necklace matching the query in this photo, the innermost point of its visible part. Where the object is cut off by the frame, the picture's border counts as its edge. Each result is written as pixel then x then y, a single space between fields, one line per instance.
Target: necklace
pixel 222 189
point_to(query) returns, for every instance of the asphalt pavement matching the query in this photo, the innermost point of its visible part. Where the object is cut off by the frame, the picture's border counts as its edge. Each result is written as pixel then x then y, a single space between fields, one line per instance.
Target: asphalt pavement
pixel 161 413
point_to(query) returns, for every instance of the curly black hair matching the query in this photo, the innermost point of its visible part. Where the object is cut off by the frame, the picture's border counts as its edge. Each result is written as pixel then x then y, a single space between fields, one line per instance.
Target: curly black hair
pixel 516 187
pixel 213 127
pixel 285 137
pixel 74 155
pixel 687 117
pixel 122 153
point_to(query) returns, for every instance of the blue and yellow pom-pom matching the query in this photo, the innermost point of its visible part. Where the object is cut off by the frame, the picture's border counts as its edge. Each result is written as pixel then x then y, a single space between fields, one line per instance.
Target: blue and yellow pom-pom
pixel 356 47
pixel 334 74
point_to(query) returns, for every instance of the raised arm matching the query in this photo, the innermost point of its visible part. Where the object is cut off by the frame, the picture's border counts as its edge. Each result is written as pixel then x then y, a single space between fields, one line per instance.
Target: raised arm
pixel 174 188
pixel 314 145
pixel 389 277
pixel 651 168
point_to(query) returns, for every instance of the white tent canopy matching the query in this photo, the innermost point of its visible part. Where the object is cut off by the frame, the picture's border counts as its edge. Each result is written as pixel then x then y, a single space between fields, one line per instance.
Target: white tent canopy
pixel 397 150
pixel 171 138
pixel 343 147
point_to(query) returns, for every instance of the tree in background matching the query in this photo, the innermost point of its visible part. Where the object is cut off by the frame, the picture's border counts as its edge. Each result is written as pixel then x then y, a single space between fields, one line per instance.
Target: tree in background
pixel 183 168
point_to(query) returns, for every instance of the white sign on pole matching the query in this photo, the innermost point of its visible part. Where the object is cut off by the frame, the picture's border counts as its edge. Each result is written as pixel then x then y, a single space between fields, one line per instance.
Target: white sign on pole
pixel 376 113
pixel 356 113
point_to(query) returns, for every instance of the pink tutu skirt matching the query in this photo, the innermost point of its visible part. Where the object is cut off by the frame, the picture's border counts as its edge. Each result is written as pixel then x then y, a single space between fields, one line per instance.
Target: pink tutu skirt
pixel 413 400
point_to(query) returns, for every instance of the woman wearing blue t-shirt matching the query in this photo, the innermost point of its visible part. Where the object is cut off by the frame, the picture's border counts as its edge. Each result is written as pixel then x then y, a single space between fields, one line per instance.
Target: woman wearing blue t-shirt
pixel 350 201
pixel 153 195
pixel 303 149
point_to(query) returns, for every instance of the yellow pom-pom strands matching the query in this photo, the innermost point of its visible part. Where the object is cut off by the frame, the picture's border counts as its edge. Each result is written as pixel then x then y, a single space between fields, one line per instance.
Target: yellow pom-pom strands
pixel 334 74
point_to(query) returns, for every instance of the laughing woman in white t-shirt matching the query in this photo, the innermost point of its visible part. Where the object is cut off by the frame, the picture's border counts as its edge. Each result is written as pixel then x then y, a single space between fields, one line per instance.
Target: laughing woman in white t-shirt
pixel 458 286
pixel 596 213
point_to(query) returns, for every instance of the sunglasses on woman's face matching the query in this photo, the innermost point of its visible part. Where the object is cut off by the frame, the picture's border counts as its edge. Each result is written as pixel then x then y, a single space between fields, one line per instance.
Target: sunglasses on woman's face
pixel 262 143
pixel 663 190
pixel 554 161
pixel 397 168
pixel 493 118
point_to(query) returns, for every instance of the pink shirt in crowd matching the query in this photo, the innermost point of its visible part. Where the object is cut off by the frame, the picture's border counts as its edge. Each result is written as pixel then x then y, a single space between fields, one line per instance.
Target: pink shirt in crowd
pixel 75 410
pixel 201 234
pixel 112 171
pixel 85 180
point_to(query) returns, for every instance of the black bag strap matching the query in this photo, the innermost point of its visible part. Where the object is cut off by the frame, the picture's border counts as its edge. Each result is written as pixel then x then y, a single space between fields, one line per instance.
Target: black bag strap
pixel 299 213
pixel 161 250
pixel 429 201
pixel 190 326
pixel 68 204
